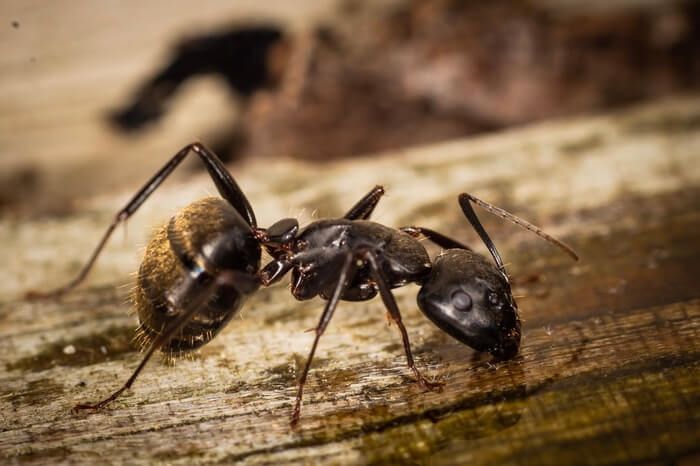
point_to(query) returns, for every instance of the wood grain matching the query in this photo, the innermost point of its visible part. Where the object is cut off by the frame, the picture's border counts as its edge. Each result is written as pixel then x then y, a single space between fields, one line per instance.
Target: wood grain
pixel 608 368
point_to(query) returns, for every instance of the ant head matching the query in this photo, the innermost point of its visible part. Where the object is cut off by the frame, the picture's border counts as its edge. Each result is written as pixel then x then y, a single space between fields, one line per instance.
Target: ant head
pixel 470 299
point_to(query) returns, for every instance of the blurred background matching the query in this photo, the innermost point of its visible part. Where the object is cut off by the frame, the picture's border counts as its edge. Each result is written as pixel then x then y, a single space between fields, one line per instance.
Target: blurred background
pixel 96 96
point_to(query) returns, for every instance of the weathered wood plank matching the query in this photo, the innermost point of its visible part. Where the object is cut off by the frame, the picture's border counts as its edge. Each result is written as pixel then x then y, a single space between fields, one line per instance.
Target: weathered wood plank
pixel 608 369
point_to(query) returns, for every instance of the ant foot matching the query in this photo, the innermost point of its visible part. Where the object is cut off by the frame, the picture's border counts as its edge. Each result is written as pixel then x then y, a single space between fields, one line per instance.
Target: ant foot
pixel 81 407
pixel 96 407
pixel 428 385
pixel 33 295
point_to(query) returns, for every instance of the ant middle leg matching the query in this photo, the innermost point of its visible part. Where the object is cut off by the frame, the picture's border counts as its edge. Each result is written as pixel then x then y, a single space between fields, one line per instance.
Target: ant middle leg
pixel 227 186
pixel 365 206
pixel 347 271
pixel 395 315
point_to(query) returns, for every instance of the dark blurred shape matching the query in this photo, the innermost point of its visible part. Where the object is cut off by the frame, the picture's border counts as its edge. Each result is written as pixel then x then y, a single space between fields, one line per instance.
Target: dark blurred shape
pixel 17 185
pixel 239 56
pixel 430 71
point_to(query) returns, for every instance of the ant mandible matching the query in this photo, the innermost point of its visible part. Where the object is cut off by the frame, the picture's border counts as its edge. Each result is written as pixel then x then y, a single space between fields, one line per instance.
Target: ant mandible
pixel 200 267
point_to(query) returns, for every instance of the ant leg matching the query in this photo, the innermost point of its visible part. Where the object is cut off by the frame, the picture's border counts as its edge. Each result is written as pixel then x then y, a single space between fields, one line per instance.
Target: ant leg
pixel 222 178
pixel 227 186
pixel 163 337
pixel 441 240
pixel 274 271
pixel 393 309
pixel 464 199
pixel 365 206
pixel 347 272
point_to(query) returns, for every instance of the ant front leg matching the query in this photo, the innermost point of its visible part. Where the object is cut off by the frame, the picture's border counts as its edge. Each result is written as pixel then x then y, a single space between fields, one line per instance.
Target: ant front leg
pixel 393 309
pixel 227 186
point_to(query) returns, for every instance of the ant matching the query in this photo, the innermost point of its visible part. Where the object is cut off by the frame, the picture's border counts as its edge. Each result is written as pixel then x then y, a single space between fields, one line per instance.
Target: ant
pixel 201 266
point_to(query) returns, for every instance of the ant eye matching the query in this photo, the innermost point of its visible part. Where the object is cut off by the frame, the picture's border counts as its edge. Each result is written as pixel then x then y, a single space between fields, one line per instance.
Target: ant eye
pixel 461 301
pixel 496 300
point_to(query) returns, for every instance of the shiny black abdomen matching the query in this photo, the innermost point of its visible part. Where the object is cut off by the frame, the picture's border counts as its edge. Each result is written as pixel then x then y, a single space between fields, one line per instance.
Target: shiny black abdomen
pixel 203 239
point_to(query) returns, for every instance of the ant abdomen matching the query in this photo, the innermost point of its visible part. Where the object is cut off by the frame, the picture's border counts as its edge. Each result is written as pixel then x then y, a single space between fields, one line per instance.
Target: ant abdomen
pixel 470 299
pixel 181 259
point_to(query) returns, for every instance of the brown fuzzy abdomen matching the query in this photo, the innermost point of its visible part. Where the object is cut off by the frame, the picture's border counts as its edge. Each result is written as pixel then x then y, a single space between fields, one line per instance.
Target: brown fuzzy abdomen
pixel 162 269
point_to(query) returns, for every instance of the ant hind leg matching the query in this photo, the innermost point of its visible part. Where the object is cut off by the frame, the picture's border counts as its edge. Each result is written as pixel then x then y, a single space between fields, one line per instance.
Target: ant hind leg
pixel 227 186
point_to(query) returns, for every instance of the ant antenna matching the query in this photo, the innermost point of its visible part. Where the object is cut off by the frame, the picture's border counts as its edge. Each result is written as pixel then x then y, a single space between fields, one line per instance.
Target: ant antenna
pixel 520 222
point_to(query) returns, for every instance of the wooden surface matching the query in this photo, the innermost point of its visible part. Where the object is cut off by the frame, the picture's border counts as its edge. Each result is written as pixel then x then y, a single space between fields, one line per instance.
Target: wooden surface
pixel 608 367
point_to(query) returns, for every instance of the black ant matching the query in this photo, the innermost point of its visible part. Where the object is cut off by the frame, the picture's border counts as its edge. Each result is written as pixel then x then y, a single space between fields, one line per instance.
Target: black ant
pixel 202 265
